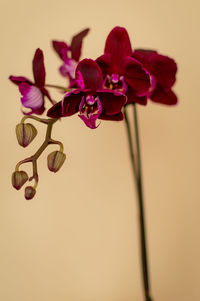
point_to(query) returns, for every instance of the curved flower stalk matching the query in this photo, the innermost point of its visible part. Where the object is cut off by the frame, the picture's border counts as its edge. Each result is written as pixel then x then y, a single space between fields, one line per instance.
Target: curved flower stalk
pixel 54 161
pixel 91 100
pixel 33 92
pixel 70 55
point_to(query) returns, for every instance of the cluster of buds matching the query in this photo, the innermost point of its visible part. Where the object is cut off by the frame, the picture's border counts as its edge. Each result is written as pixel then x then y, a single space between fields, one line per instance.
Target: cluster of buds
pixel 25 133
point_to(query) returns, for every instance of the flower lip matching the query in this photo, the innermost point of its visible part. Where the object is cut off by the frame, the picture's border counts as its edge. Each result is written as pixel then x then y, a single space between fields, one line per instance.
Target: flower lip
pixel 33 92
pixel 90 109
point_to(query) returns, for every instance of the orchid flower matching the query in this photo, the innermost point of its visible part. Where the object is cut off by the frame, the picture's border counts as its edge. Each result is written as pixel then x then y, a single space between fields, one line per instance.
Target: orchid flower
pixel 91 100
pixel 121 71
pixel 70 55
pixel 33 92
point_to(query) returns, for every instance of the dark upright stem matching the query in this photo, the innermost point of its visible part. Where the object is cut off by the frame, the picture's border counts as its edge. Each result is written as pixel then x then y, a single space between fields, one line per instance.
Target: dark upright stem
pixel 137 173
pixel 143 245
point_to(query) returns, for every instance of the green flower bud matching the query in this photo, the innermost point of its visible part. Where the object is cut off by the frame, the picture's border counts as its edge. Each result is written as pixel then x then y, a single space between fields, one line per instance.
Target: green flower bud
pixel 29 192
pixel 55 160
pixel 25 133
pixel 19 178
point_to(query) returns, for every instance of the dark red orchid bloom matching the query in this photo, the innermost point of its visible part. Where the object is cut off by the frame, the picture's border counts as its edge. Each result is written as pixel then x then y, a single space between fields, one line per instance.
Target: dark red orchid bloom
pixel 33 92
pixel 70 55
pixel 163 75
pixel 90 100
pixel 121 71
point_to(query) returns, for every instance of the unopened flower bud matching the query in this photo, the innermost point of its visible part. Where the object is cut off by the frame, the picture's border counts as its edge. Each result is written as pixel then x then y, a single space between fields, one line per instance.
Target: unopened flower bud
pixel 29 192
pixel 19 178
pixel 25 133
pixel 55 160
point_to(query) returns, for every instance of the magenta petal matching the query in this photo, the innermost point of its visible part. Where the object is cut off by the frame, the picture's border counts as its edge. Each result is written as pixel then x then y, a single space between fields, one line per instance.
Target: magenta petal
pixel 20 79
pixel 61 48
pixel 164 96
pixel 118 45
pixel 55 111
pixel 136 76
pixel 90 73
pixel 76 44
pixel 32 96
pixel 112 101
pixel 116 117
pixel 38 68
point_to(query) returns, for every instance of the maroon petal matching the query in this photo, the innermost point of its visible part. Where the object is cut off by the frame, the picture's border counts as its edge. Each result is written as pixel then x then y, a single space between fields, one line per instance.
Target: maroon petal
pixel 70 102
pixel 61 48
pixel 162 67
pixel 164 96
pixel 38 68
pixel 90 74
pixel 146 57
pixel 19 79
pixel 164 70
pixel 119 46
pixel 112 101
pixel 136 76
pixel 55 111
pixel 76 44
pixel 132 98
pixel 116 117
pixel 104 62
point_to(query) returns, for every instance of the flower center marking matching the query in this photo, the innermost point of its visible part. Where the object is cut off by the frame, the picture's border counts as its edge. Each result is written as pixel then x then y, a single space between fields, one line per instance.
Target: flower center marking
pixel 115 82
pixel 90 109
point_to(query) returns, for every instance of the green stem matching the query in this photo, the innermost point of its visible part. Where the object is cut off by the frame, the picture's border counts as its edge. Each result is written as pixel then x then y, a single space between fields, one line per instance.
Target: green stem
pixel 130 144
pixel 143 245
pixel 58 87
pixel 48 140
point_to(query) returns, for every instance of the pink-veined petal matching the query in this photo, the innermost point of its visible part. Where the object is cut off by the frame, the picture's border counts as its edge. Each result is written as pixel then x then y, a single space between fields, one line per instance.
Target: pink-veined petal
pixel 32 96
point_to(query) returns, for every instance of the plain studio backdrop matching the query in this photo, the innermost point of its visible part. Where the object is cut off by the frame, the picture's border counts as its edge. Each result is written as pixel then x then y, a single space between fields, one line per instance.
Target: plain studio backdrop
pixel 77 239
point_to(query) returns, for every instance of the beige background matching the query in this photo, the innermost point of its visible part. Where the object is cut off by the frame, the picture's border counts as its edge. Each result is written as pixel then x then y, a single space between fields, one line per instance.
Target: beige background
pixel 78 238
